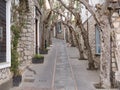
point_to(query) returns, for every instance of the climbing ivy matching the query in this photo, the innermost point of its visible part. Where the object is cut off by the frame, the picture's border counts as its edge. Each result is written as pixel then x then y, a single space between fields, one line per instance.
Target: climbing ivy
pixel 14 54
pixel 19 19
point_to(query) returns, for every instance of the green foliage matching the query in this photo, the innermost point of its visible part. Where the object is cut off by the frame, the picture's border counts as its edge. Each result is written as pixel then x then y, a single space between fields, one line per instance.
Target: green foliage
pixel 54 16
pixel 38 56
pixel 41 2
pixel 14 63
pixel 16 35
pixel 19 17
pixel 14 54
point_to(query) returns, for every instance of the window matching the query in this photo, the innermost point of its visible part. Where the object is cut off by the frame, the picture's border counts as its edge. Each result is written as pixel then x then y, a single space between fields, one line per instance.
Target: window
pixel 5 39
pixel 97 40
pixel 2 31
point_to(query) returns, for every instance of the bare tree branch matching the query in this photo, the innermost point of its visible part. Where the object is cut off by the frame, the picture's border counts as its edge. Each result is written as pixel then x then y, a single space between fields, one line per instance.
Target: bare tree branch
pixel 90 10
pixel 66 7
pixel 59 13
pixel 47 18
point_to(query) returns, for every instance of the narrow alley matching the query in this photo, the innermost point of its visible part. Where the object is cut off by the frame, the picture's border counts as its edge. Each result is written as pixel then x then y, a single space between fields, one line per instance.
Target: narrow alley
pixel 61 71
pixel 59 44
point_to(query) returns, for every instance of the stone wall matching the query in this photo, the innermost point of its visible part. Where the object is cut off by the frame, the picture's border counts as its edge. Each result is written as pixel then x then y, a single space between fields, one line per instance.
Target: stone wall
pixel 26 46
pixel 5 75
pixel 27 43
pixel 5 79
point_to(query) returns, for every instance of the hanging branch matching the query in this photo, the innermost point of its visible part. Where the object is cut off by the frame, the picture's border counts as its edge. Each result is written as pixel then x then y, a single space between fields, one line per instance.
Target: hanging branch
pixel 59 13
pixel 67 7
pixel 88 8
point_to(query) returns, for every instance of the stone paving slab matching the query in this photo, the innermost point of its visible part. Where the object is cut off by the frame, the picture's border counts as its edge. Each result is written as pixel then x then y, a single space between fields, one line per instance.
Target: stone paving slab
pixel 84 78
pixel 31 88
pixel 63 75
pixel 39 76
pixel 61 70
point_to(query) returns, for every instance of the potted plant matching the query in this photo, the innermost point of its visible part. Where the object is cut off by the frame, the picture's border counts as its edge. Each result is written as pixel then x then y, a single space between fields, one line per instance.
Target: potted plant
pixel 17 77
pixel 38 58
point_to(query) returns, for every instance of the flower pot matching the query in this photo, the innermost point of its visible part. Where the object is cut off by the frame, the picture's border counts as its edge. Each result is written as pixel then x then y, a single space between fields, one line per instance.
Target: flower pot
pixel 38 60
pixel 17 80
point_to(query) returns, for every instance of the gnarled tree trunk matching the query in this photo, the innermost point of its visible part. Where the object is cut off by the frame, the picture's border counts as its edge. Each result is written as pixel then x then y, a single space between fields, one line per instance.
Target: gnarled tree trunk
pixel 71 38
pixel 84 34
pixel 79 46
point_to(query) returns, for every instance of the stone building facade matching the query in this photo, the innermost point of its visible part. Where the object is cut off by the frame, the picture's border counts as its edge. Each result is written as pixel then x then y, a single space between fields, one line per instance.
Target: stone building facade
pixel 29 42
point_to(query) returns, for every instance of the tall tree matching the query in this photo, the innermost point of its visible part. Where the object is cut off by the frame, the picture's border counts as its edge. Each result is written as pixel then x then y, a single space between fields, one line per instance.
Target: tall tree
pixel 73 33
pixel 84 34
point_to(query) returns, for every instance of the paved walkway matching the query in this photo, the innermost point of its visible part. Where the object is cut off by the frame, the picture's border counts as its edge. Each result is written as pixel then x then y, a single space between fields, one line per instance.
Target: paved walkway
pixel 61 71
pixel 64 79
pixel 85 79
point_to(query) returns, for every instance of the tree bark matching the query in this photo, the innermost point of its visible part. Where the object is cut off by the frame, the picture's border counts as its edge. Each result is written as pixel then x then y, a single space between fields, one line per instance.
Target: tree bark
pixel 84 34
pixel 79 46
pixel 44 33
pixel 71 38
pixel 43 39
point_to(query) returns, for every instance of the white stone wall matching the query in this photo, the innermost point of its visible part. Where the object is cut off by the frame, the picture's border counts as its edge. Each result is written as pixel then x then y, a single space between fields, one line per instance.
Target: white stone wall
pixel 5 75
pixel 27 43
